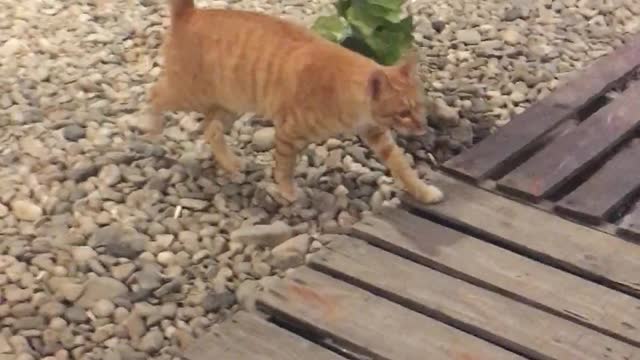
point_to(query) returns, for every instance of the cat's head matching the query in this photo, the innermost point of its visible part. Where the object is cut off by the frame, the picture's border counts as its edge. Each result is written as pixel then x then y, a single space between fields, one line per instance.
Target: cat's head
pixel 397 97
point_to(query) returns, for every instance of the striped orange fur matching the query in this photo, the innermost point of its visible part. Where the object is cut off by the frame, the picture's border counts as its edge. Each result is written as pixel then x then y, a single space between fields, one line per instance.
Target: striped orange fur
pixel 226 62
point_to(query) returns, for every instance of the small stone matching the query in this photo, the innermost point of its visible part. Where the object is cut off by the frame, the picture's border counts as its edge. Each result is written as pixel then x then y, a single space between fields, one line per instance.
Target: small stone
pixel 76 314
pixel 292 252
pixel 438 25
pixel 264 139
pixel 194 204
pixel 5 347
pixel 444 114
pixel 469 36
pixel 263 235
pixel 214 302
pixel 246 294
pixel 4 211
pixel 511 36
pixel 26 210
pixel 110 175
pixel 103 308
pixel 14 294
pixel 73 132
pixel 166 258
pixel 122 272
pixel 29 323
pixel 101 288
pixel 152 342
pixel 135 327
pixel 82 254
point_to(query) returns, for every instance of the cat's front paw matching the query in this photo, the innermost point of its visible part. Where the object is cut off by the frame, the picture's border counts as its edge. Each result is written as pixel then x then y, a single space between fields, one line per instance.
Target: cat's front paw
pixel 429 194
pixel 288 191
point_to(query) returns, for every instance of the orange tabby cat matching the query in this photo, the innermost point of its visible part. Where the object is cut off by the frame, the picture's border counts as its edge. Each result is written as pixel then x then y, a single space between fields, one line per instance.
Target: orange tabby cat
pixel 225 62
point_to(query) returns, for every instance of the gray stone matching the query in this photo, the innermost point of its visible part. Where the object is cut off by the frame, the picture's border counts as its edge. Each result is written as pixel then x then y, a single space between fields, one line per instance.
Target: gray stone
pixel 291 253
pixel 263 235
pixel 100 288
pixel 469 36
pixel 214 302
pixel 152 342
pixel 73 132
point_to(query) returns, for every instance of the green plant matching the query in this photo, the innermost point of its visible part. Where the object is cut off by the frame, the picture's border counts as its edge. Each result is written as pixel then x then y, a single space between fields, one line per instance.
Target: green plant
pixel 374 28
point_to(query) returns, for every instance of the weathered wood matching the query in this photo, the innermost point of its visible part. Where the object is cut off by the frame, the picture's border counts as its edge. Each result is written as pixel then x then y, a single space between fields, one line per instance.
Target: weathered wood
pixel 500 149
pixel 538 234
pixel 630 225
pixel 596 199
pixel 552 167
pixel 475 310
pixel 502 271
pixel 248 337
pixel 375 327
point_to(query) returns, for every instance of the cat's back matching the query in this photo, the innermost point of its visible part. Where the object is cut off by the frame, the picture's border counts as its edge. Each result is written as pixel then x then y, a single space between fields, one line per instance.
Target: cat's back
pixel 226 23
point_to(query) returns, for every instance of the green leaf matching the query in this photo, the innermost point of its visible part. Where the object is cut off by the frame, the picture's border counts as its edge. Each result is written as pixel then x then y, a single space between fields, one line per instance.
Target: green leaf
pixel 342 6
pixel 332 28
pixel 389 4
pixel 362 19
pixel 391 41
pixel 392 15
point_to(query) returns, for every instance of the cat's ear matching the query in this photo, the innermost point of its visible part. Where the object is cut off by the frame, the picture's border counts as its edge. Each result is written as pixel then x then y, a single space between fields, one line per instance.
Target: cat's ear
pixel 408 67
pixel 376 84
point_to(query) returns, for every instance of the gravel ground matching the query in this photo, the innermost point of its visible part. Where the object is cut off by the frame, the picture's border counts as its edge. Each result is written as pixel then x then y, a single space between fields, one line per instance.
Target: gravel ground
pixel 115 248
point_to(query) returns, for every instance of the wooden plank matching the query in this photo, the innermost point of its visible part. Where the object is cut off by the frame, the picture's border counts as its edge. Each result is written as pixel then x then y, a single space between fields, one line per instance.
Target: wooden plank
pixel 544 236
pixel 500 149
pixel 472 309
pixel 375 327
pixel 613 185
pixel 552 167
pixel 248 337
pixel 489 266
pixel 630 225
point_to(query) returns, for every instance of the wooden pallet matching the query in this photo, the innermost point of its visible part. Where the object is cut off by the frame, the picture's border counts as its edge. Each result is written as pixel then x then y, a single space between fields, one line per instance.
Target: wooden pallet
pixel 573 153
pixel 426 283
pixel 526 259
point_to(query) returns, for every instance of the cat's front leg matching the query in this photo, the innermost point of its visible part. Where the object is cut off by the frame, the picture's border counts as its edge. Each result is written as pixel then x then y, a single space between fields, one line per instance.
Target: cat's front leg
pixel 384 146
pixel 286 156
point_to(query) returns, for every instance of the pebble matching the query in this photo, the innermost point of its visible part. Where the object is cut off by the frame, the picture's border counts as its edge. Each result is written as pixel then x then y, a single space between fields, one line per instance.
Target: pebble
pixel 73 132
pixel 103 308
pixel 291 253
pixel 100 288
pixel 26 210
pixel 469 36
pixel 264 139
pixel 263 235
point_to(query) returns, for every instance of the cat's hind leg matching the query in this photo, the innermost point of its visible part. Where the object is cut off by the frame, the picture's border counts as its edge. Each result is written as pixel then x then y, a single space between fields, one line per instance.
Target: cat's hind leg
pixel 382 143
pixel 216 121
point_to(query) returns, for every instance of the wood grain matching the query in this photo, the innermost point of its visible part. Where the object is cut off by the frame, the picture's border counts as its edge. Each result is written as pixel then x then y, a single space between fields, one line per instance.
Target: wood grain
pixel 376 327
pixel 481 312
pixel 630 225
pixel 522 133
pixel 611 186
pixel 555 165
pixel 248 337
pixel 538 234
pixel 491 267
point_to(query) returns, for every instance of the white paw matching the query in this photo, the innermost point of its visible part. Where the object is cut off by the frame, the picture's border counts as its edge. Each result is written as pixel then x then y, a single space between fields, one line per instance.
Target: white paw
pixel 429 194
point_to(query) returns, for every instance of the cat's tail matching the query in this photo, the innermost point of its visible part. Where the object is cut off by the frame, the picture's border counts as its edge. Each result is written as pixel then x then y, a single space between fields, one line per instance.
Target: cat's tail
pixel 179 8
